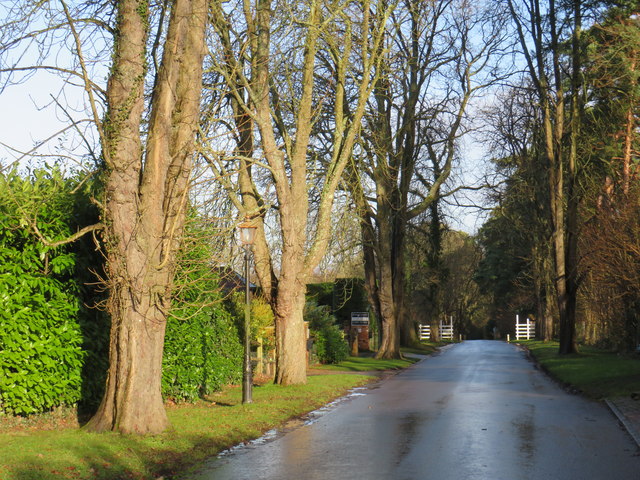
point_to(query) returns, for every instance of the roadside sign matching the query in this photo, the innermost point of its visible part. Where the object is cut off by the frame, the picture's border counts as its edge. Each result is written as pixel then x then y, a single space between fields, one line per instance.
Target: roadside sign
pixel 359 319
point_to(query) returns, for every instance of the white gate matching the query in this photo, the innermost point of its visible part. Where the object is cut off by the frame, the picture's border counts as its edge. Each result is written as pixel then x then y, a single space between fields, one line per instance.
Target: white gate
pixel 446 330
pixel 526 330
pixel 425 332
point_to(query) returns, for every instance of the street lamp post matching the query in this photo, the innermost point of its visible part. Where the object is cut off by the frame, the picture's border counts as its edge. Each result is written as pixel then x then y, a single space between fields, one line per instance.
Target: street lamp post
pixel 247 236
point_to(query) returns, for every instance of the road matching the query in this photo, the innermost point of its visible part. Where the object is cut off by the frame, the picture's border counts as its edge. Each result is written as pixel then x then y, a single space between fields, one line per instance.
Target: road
pixel 477 410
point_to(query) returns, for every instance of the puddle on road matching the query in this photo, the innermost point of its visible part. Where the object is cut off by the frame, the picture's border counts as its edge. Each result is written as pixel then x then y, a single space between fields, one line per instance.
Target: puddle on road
pixel 305 420
pixel 525 430
pixel 407 432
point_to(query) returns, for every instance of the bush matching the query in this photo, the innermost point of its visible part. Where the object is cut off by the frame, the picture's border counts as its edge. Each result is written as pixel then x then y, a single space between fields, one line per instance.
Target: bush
pixel 40 338
pixel 202 350
pixel 53 345
pixel 201 354
pixel 330 344
pixel 262 318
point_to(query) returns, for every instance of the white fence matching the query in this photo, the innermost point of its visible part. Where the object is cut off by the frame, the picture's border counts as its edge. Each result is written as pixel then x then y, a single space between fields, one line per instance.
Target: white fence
pixel 525 331
pixel 446 331
pixel 425 332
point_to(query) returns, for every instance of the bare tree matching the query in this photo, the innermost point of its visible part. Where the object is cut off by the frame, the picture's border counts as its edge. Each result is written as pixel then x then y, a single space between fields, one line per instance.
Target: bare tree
pixel 541 28
pixel 270 62
pixel 515 135
pixel 416 116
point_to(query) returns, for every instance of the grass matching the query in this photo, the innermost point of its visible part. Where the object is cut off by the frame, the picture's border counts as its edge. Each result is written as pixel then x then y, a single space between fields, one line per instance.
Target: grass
pixel 596 373
pixel 52 447
pixel 198 431
pixel 425 348
pixel 366 362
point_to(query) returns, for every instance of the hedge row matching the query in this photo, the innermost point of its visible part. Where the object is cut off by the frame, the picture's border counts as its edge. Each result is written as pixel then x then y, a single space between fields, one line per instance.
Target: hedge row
pixel 53 344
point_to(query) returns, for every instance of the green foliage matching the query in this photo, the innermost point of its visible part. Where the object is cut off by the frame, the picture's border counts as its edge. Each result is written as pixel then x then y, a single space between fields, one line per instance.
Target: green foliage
pixel 321 293
pixel 202 351
pixel 503 267
pixel 40 339
pixel 330 344
pixel 343 296
pixel 53 344
pixel 201 354
pixel 262 319
pixel 262 322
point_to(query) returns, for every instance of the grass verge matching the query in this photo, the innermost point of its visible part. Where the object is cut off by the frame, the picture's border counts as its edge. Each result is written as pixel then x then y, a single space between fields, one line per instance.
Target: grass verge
pixel 198 431
pixel 425 348
pixel 596 373
pixel 366 362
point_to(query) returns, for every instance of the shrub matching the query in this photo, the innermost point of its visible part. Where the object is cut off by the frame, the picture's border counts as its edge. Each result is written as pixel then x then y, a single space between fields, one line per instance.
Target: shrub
pixel 202 350
pixel 330 344
pixel 201 354
pixel 262 319
pixel 40 338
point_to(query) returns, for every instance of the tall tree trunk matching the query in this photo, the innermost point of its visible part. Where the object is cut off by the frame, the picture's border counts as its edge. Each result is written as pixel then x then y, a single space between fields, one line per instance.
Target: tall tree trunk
pixel 390 344
pixel 370 269
pixel 629 136
pixel 434 264
pixel 145 205
pixel 291 369
pixel 563 206
pixel 548 301
pixel 548 319
pixel 408 326
pixel 568 320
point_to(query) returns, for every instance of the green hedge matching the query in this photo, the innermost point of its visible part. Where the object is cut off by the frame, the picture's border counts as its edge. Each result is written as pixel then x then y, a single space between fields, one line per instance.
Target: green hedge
pixel 201 355
pixel 54 344
pixel 202 350
pixel 329 343
pixel 40 338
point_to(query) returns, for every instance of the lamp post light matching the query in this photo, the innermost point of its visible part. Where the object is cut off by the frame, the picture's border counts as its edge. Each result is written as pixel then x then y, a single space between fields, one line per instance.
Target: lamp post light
pixel 247 237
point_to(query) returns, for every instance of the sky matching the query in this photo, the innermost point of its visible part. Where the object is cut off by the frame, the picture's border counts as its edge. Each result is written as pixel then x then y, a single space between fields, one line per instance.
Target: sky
pixel 28 111
pixel 29 116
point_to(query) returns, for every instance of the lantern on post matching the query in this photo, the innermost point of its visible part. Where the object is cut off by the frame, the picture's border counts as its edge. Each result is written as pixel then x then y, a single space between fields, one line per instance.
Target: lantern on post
pixel 247 237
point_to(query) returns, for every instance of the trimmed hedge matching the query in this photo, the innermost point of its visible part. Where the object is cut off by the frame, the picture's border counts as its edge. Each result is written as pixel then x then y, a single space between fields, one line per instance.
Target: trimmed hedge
pixel 201 355
pixel 53 344
pixel 202 351
pixel 40 338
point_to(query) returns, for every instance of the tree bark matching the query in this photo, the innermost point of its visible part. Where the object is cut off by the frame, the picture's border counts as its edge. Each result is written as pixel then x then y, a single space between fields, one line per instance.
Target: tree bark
pixel 568 320
pixel 291 366
pixel 145 205
pixel 390 344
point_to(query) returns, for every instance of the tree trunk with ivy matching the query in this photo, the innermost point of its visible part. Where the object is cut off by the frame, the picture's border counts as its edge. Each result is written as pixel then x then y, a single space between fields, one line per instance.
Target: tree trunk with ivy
pixel 146 186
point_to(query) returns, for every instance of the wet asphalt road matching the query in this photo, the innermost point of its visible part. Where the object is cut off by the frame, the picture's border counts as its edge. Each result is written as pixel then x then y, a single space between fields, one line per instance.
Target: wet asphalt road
pixel 478 410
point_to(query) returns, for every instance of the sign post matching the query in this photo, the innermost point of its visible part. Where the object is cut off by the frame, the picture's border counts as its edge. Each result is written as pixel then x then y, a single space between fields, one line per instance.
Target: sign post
pixel 359 319
pixel 360 329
